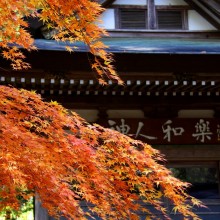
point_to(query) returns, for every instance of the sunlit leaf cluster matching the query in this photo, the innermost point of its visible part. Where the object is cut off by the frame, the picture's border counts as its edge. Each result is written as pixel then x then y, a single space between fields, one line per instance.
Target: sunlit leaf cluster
pixel 71 21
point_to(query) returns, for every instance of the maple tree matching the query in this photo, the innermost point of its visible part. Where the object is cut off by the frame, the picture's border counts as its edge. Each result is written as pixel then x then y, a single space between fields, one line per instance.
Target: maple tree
pixel 48 151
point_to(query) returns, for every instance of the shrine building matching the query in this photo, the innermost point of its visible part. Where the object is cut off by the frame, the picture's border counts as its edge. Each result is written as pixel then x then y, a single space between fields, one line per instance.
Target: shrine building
pixel 168 54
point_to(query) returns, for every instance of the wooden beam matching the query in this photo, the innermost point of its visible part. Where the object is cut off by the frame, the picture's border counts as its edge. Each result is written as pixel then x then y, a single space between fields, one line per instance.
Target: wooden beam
pixel 189 153
pixel 185 34
pixel 107 3
pixel 151 14
pixel 133 102
pixel 213 6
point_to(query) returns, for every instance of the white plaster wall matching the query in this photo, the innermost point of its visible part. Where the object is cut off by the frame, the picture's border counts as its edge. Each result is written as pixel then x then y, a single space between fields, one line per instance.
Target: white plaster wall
pixel 170 2
pixel 197 22
pixel 130 2
pixel 108 19
pixel 196 113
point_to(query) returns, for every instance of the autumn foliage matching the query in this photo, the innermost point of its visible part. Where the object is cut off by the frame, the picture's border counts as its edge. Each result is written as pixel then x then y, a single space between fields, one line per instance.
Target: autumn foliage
pixel 53 153
pixel 70 20
pixel 64 160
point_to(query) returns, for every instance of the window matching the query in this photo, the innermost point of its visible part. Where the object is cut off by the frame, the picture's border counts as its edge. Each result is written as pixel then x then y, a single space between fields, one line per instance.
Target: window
pixel 171 20
pixel 133 19
pixel 165 18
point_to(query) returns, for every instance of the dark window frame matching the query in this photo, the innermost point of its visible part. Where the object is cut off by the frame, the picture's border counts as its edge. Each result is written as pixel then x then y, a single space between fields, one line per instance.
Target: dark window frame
pixel 117 9
pixel 120 22
pixel 184 17
pixel 182 9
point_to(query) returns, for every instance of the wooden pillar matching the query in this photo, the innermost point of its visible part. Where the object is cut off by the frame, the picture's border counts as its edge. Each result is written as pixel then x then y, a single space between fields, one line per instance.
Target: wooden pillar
pixel 218 177
pixel 151 14
pixel 40 213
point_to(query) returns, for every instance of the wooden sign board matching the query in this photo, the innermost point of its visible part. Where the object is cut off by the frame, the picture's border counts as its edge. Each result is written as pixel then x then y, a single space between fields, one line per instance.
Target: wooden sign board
pixel 169 131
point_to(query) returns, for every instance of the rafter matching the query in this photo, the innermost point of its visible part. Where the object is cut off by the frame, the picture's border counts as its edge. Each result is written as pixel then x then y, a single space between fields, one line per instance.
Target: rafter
pixel 106 3
pixel 208 9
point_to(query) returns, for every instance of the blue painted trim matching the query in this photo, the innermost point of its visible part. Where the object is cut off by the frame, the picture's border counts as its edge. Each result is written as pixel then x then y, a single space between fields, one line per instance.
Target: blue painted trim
pixel 142 46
